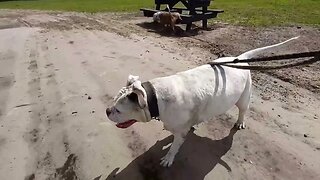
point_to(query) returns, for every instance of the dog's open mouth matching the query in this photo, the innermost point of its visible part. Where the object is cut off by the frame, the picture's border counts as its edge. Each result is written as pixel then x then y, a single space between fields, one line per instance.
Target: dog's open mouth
pixel 126 124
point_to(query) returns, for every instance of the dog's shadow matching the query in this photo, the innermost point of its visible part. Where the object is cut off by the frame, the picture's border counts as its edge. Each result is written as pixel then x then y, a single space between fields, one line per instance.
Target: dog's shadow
pixel 196 158
pixel 179 31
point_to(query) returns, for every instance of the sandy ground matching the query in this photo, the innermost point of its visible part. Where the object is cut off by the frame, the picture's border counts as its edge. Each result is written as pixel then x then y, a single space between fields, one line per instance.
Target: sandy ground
pixel 59 71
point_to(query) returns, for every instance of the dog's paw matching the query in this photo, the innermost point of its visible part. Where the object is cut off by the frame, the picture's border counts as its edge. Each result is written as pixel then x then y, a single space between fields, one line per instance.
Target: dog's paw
pixel 167 160
pixel 240 125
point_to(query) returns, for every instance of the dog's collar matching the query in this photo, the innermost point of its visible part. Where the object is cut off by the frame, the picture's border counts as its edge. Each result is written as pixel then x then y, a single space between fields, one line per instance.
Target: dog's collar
pixel 151 100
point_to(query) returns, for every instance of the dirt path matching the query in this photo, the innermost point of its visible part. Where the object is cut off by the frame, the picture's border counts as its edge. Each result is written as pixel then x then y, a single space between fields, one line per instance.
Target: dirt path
pixel 58 72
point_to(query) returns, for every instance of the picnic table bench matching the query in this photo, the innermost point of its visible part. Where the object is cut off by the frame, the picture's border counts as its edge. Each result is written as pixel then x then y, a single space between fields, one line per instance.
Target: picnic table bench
pixel 189 14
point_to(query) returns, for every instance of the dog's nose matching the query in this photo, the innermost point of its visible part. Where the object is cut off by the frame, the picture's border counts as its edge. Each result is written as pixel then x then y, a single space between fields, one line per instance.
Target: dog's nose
pixel 108 111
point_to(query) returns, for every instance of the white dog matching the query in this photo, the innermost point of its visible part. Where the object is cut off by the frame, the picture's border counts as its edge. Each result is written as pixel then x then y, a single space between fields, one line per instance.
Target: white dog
pixel 185 99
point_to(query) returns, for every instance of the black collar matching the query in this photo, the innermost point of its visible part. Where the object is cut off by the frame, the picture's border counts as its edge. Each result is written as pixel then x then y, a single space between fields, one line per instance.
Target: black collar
pixel 151 99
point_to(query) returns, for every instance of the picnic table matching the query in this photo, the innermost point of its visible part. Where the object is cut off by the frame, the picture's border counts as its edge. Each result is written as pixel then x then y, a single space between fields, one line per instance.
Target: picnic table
pixel 194 10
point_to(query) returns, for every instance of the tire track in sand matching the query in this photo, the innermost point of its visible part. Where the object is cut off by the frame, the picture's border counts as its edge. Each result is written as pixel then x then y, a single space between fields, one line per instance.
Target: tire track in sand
pixel 46 135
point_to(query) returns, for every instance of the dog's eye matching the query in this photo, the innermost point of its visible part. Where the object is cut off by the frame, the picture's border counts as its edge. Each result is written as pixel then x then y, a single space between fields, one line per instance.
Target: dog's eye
pixel 117 110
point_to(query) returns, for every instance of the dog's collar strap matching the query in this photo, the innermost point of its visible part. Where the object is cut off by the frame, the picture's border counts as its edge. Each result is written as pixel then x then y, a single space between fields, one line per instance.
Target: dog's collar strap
pixel 151 99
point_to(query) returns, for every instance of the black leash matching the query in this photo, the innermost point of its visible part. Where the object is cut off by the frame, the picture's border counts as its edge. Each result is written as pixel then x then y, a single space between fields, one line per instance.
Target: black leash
pixel 314 54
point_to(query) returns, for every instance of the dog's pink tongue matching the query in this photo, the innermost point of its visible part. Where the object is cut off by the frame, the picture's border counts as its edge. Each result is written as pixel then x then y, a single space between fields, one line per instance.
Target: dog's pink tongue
pixel 126 124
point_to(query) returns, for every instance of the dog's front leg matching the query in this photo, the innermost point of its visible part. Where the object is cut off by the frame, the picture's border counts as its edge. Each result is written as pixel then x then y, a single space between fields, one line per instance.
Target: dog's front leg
pixel 178 140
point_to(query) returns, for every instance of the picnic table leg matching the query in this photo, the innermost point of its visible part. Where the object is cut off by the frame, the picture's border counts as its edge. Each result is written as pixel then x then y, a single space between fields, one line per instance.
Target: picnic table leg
pixel 192 11
pixel 188 26
pixel 158 6
pixel 205 21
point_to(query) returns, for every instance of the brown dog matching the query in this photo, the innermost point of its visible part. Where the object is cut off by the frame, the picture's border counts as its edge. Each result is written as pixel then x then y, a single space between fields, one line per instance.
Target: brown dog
pixel 167 18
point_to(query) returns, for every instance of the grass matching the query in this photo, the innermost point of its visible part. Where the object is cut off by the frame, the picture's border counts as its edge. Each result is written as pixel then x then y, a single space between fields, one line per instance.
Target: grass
pixel 244 12
pixel 270 12
pixel 78 5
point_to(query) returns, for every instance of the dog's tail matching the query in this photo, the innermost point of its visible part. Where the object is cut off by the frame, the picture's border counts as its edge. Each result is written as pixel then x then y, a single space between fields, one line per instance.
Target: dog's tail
pixel 255 52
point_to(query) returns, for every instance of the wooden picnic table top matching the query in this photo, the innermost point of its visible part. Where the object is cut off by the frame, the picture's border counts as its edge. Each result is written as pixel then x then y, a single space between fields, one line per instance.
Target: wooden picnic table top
pixel 189 4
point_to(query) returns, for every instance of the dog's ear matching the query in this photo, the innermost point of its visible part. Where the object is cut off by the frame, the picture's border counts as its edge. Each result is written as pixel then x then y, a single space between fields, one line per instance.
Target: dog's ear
pixel 141 94
pixel 132 79
pixel 179 17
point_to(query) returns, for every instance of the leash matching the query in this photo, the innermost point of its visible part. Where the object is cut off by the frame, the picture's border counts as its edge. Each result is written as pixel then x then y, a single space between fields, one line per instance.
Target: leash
pixel 314 54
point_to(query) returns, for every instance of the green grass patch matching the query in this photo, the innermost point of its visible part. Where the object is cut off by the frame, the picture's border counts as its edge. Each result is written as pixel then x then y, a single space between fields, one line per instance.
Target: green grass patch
pixel 79 5
pixel 244 12
pixel 269 12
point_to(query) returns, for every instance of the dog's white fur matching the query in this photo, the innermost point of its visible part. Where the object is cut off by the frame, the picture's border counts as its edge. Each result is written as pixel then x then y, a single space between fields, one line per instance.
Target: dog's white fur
pixel 190 97
pixel 156 17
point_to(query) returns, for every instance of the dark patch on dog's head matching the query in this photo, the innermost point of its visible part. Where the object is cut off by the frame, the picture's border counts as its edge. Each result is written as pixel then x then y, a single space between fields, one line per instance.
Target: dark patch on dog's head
pixel 133 97
pixel 178 20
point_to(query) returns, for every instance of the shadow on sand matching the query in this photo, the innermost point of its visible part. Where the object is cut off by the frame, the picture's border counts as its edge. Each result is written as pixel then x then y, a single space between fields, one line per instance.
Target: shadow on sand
pixel 179 31
pixel 196 158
